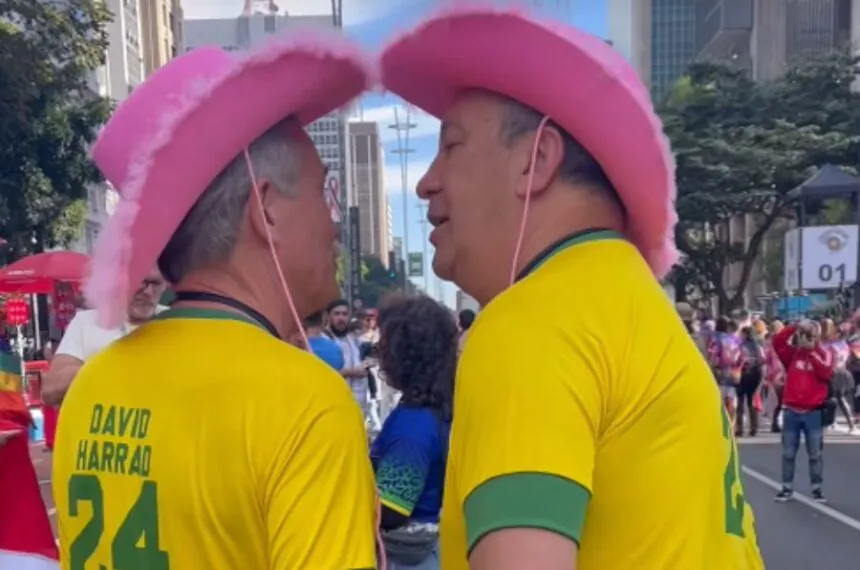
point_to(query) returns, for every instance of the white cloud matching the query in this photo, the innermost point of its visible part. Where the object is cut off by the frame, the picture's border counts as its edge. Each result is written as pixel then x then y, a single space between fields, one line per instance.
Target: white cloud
pixel 414 171
pixel 425 125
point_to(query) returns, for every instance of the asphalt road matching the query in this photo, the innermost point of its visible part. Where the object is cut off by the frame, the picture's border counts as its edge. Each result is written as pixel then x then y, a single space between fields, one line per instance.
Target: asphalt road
pixel 800 535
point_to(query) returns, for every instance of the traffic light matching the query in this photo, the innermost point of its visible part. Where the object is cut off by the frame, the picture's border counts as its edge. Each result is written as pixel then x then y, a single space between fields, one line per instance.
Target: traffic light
pixel 392 265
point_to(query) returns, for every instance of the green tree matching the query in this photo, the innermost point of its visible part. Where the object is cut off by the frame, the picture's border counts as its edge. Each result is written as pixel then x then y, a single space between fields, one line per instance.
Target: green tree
pixel 48 118
pixel 740 148
pixel 377 281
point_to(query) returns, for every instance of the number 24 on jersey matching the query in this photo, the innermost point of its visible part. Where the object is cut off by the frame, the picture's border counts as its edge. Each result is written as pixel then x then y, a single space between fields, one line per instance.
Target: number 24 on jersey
pixel 135 545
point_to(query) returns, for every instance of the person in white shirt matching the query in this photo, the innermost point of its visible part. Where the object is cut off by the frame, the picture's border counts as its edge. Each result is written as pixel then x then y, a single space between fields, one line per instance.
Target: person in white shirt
pixel 84 338
pixel 354 369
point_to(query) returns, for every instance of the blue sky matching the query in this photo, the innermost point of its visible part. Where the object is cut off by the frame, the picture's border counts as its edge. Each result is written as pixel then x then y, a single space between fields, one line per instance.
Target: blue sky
pixel 371 22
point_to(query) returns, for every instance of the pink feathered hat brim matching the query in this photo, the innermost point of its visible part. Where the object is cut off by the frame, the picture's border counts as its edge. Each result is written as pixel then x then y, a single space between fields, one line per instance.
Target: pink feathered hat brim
pixel 576 79
pixel 169 140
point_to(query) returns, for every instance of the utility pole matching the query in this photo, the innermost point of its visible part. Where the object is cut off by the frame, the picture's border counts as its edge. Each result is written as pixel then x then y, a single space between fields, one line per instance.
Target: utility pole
pixel 402 128
pixel 422 219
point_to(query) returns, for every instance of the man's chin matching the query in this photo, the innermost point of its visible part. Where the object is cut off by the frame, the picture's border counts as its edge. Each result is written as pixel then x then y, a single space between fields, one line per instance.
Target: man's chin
pixel 141 313
pixel 323 297
pixel 443 267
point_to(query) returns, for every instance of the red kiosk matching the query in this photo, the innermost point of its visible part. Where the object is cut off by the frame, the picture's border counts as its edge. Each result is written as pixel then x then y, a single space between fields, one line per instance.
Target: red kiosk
pixel 55 273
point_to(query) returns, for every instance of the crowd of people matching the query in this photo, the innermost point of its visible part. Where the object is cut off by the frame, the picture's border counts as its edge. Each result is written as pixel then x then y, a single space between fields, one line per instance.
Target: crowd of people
pixel 797 375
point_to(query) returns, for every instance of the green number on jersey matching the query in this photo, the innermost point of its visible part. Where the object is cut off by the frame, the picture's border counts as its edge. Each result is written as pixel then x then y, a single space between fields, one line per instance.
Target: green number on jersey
pixel 140 526
pixel 86 488
pixel 140 523
pixel 734 499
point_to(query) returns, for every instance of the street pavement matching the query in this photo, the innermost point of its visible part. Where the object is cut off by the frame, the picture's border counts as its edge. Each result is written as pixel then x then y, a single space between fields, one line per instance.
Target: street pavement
pixel 800 535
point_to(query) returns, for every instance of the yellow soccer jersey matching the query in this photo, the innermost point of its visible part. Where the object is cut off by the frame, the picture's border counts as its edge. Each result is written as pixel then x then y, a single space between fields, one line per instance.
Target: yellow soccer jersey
pixel 202 442
pixel 583 407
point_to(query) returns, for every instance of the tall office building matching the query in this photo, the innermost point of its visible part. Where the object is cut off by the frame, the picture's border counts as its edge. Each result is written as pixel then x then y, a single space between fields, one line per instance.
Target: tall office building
pixel 122 71
pixel 657 37
pixel 240 33
pixel 765 35
pixel 159 22
pixel 367 173
pixel 629 32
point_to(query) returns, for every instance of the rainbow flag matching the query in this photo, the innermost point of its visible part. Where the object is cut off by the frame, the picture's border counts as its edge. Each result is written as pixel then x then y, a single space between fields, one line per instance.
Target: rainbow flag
pixel 13 406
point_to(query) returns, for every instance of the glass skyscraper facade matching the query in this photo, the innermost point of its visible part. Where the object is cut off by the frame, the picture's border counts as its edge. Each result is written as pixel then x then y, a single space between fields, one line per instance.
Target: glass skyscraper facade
pixel 673 43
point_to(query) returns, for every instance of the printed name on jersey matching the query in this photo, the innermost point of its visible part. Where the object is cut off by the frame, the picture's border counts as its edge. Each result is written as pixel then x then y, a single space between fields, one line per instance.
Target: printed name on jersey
pixel 104 453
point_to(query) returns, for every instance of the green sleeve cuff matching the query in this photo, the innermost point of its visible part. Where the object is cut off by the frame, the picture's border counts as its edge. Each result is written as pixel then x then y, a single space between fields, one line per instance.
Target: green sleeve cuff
pixel 526 500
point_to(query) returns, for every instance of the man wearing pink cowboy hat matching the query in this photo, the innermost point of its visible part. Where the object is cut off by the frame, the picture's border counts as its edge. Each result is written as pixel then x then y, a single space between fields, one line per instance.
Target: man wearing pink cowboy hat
pixel 202 439
pixel 602 443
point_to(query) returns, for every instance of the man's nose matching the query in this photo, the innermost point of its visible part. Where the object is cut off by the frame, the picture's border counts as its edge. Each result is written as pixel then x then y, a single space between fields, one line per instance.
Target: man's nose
pixel 430 183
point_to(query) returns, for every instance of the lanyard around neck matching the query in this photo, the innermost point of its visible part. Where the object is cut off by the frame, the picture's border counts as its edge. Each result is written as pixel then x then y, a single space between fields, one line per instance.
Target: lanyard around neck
pixel 250 313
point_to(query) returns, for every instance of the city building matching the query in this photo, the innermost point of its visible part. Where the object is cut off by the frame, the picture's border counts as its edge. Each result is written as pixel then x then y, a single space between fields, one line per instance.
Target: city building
pixel 629 32
pixel 765 35
pixel 658 37
pixel 122 71
pixel 328 133
pixel 367 181
pixel 160 20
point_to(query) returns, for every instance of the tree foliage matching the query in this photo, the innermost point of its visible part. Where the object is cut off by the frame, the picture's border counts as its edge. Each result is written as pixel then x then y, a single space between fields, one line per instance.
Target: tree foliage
pixel 740 147
pixel 378 280
pixel 49 52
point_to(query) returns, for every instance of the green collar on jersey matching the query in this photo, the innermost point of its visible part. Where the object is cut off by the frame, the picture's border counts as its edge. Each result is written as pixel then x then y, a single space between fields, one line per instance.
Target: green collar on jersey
pixel 580 237
pixel 201 313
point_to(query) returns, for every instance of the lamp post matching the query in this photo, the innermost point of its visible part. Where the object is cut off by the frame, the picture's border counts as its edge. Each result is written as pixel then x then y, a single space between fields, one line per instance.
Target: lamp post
pixel 402 128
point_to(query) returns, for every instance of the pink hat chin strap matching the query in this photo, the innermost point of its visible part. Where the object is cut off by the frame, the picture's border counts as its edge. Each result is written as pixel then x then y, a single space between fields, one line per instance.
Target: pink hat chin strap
pixel 383 562
pixel 522 231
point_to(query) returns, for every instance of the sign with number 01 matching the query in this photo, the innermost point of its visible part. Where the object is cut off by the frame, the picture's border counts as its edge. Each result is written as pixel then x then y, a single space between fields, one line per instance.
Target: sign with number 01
pixel 828 256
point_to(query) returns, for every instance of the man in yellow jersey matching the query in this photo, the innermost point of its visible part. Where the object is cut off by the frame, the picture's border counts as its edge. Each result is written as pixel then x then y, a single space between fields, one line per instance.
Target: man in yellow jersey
pixel 202 440
pixel 588 431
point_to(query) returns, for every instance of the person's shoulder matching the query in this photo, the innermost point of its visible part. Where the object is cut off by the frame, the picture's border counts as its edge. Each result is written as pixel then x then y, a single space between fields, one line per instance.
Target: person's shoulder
pixel 324 342
pixel 85 318
pixel 417 424
pixel 412 417
pixel 286 370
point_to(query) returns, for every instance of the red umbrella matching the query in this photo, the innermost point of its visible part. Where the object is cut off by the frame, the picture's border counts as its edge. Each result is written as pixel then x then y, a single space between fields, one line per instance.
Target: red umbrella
pixel 37 273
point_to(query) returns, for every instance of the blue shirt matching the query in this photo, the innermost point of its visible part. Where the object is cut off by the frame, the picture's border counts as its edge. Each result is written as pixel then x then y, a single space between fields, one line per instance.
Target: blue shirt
pixel 327 350
pixel 409 456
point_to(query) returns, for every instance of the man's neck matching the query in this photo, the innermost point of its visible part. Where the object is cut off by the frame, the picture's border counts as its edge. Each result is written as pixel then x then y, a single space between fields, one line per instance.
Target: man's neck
pixel 269 303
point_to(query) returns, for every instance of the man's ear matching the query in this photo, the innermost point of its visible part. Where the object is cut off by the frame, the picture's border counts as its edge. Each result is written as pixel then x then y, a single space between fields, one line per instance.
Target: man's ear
pixel 547 159
pixel 258 218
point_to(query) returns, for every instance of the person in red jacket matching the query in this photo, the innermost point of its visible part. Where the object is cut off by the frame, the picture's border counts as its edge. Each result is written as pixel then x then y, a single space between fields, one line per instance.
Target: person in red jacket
pixel 808 368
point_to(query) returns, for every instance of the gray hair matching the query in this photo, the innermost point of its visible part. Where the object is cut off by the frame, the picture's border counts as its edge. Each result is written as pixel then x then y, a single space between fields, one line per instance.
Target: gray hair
pixel 577 163
pixel 209 231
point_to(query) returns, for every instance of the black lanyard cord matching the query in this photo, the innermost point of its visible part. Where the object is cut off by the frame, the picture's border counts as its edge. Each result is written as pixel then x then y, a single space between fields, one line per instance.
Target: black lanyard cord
pixel 250 312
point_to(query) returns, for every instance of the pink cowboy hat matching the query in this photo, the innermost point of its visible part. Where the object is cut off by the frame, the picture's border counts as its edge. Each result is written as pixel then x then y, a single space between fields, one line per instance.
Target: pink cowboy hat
pixel 172 136
pixel 576 79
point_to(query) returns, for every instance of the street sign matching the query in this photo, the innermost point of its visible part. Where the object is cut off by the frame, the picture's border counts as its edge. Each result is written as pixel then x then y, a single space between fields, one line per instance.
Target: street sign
pixel 354 253
pixel 828 256
pixel 416 264
pixel 791 265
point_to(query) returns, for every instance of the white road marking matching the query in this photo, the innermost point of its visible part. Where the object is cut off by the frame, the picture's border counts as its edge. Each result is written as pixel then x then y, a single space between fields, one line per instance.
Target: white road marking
pixel 821 508
pixel 767 440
